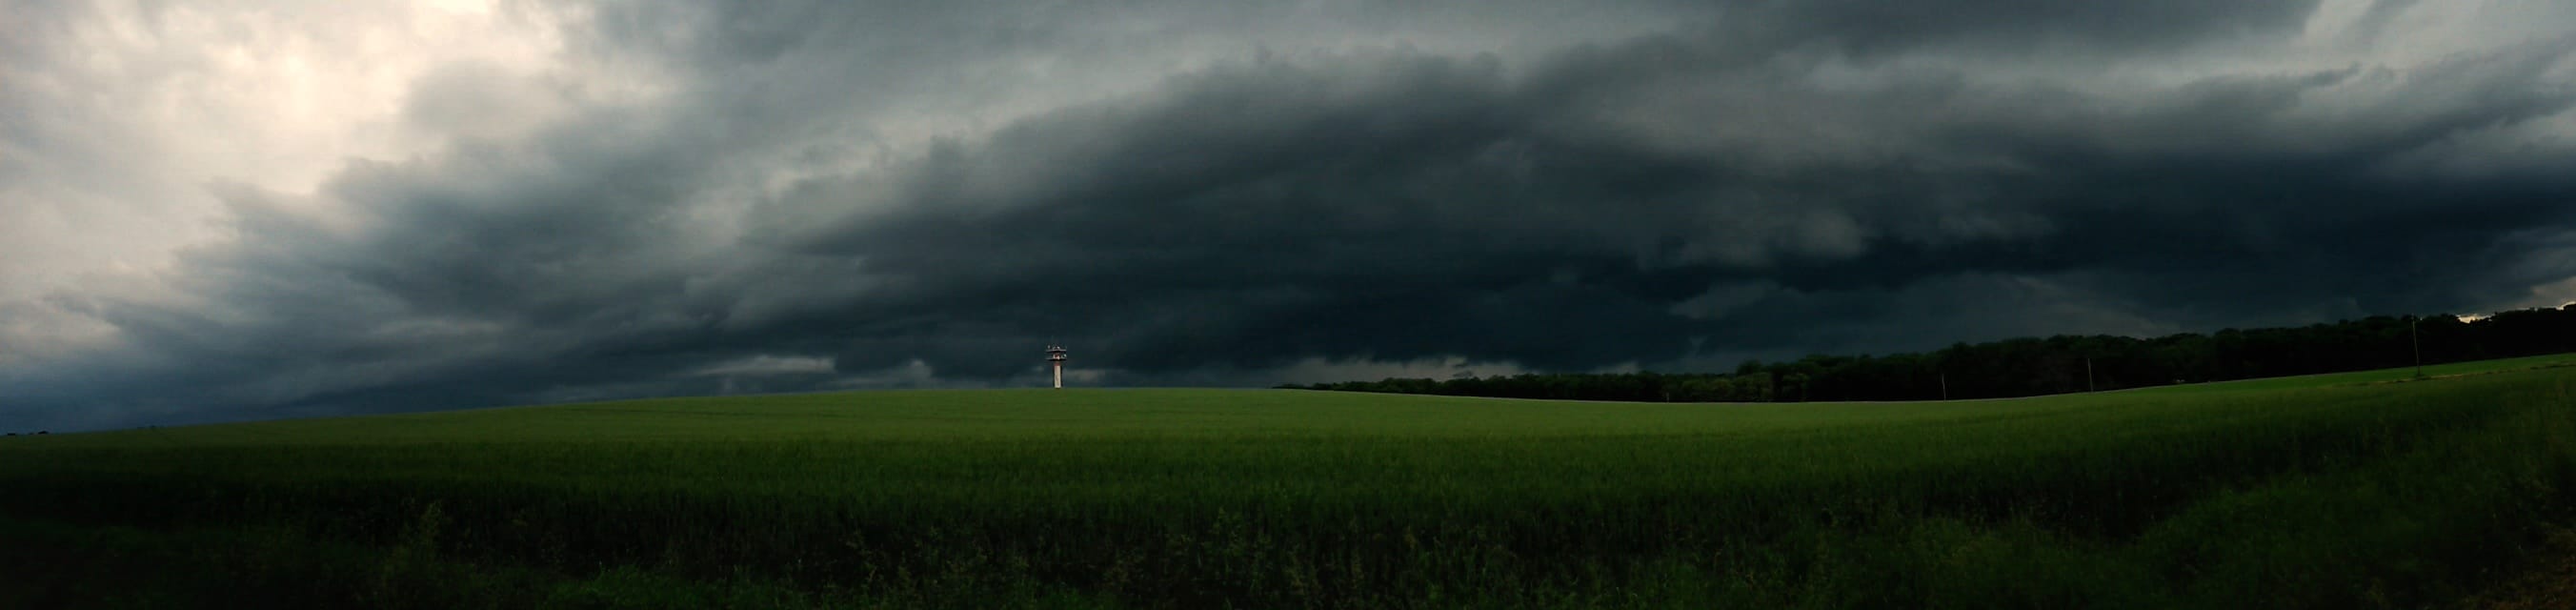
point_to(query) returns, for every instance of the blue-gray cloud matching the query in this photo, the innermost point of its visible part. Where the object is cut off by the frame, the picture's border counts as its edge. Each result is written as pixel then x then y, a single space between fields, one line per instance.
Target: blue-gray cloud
pixel 921 194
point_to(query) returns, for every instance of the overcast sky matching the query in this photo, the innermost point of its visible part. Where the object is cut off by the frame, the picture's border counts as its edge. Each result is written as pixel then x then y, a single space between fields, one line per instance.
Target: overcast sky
pixel 219 210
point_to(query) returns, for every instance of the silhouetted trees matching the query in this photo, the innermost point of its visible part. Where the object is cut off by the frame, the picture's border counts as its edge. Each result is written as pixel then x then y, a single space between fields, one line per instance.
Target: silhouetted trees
pixel 2034 366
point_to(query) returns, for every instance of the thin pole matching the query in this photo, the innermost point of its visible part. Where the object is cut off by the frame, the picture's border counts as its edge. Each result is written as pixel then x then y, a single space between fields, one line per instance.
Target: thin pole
pixel 2088 373
pixel 2418 343
pixel 1945 386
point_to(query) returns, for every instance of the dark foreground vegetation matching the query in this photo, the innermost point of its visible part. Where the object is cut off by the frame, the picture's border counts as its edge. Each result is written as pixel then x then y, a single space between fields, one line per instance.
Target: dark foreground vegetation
pixel 2054 365
pixel 2351 491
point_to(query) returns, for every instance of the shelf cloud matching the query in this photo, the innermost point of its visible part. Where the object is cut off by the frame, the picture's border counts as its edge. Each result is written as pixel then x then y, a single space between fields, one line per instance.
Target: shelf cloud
pixel 235 210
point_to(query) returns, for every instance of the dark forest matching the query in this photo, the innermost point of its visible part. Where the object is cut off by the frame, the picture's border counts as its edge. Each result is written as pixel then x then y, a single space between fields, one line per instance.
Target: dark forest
pixel 2052 365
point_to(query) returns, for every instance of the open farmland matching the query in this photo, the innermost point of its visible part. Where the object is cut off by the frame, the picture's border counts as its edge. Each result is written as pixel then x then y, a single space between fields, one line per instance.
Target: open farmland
pixel 2335 491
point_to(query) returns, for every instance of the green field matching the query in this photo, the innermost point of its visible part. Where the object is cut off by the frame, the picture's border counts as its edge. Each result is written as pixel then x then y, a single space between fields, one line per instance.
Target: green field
pixel 2337 491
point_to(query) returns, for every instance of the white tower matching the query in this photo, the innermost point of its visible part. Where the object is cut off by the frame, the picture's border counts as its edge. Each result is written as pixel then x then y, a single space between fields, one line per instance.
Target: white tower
pixel 1055 356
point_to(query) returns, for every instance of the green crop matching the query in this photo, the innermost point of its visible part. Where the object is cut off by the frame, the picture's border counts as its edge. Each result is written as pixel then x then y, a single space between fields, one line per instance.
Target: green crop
pixel 2334 491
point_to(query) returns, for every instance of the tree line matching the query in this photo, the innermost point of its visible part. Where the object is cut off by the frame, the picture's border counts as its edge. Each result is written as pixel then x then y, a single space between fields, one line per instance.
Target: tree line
pixel 2052 365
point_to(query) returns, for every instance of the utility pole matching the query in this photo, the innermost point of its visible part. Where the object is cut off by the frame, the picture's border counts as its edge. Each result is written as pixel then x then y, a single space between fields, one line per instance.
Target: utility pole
pixel 2418 343
pixel 2088 373
pixel 1945 386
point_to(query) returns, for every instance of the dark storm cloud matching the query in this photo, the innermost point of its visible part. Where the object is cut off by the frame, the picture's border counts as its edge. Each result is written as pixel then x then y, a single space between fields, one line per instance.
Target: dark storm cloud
pixel 1876 27
pixel 1405 206
pixel 1760 180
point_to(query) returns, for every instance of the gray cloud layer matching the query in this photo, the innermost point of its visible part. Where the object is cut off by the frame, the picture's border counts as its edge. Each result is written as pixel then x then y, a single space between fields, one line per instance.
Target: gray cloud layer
pixel 841 195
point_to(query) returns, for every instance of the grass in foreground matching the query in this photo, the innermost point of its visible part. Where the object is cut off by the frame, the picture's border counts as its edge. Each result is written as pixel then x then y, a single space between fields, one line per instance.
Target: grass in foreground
pixel 2328 491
